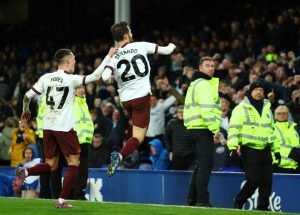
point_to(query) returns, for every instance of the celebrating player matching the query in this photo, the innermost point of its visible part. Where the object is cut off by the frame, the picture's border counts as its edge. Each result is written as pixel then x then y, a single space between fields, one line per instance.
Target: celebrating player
pixel 131 70
pixel 59 88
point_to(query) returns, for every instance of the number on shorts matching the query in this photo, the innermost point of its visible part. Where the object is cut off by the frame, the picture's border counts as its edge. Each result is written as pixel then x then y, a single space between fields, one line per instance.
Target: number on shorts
pixel 50 100
pixel 136 69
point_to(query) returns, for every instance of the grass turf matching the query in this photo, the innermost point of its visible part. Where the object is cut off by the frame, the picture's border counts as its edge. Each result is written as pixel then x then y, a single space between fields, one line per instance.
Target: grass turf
pixel 11 206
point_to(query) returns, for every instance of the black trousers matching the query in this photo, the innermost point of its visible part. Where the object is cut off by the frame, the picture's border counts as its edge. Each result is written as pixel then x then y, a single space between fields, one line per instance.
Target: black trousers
pixel 56 175
pixel 182 162
pixel 202 140
pixel 45 191
pixel 258 171
pixel 78 192
pixel 50 183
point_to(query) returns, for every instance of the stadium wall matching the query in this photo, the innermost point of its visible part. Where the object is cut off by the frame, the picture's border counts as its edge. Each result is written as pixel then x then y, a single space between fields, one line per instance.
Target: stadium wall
pixel 170 187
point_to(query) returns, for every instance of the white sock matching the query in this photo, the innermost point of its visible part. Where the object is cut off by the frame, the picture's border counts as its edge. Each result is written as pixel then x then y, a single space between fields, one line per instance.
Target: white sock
pixel 121 157
pixel 60 200
pixel 26 172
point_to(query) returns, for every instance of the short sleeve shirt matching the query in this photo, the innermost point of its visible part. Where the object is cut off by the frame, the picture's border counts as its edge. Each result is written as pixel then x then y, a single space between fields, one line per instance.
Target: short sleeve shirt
pixel 59 88
pixel 131 69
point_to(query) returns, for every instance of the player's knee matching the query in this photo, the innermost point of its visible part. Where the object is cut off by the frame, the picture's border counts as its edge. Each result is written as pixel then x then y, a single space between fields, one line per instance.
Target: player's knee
pixel 52 165
pixel 73 160
pixel 139 133
pixel 74 163
pixel 141 139
pixel 77 162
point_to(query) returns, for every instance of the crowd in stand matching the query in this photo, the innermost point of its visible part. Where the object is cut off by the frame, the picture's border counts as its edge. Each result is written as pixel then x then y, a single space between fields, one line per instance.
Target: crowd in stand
pixel 244 51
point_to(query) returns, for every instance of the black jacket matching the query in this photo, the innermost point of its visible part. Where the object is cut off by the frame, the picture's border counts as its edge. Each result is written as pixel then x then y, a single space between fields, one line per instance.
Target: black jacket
pixel 98 156
pixel 176 139
pixel 199 74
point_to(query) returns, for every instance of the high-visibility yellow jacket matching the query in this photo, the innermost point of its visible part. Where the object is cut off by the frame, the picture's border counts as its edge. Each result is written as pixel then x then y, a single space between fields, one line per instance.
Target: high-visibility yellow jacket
pixel 202 107
pixel 84 125
pixel 40 118
pixel 271 57
pixel 288 137
pixel 248 128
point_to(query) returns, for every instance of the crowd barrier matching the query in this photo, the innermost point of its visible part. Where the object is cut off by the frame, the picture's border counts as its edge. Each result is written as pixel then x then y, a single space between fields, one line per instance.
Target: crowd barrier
pixel 170 187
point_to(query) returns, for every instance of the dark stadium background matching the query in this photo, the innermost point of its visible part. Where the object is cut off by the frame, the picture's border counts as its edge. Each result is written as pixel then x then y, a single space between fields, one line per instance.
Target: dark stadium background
pixel 68 21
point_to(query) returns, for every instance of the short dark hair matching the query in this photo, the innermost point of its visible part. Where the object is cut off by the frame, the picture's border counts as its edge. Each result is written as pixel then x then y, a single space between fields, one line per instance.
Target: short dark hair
pixel 206 58
pixel 118 30
pixel 60 54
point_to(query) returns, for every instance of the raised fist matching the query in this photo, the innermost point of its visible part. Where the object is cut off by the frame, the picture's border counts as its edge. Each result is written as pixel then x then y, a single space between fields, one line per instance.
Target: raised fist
pixel 26 115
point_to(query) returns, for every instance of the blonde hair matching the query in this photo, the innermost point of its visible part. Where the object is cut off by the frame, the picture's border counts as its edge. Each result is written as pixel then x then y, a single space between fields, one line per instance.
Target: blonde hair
pixel 223 100
pixel 188 68
pixel 281 109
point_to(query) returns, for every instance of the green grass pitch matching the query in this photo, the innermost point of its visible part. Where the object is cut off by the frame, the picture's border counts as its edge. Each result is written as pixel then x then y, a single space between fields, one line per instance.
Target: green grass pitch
pixel 11 206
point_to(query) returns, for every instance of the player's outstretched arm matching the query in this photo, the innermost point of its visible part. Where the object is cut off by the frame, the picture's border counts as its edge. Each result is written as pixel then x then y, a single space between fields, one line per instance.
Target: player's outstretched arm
pixel 26 112
pixel 166 50
pixel 96 75
pixel 106 76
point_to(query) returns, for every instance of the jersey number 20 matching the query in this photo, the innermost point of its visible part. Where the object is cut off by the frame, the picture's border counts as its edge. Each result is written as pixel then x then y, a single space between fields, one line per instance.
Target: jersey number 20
pixel 50 100
pixel 136 69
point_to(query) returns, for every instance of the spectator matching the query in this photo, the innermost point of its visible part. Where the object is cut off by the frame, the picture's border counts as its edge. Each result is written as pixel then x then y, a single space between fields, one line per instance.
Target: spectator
pixel 269 76
pixel 21 138
pixel 234 80
pixel 5 110
pixel 117 134
pixel 294 106
pixel 6 140
pixel 98 152
pixel 176 140
pixel 90 95
pixel 157 116
pixel 287 134
pixel 21 88
pixel 221 152
pixel 157 87
pixel 185 79
pixel 176 67
pixel 158 108
pixel 30 188
pixel 159 156
pixel 226 112
pixel 103 123
pixel 271 54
